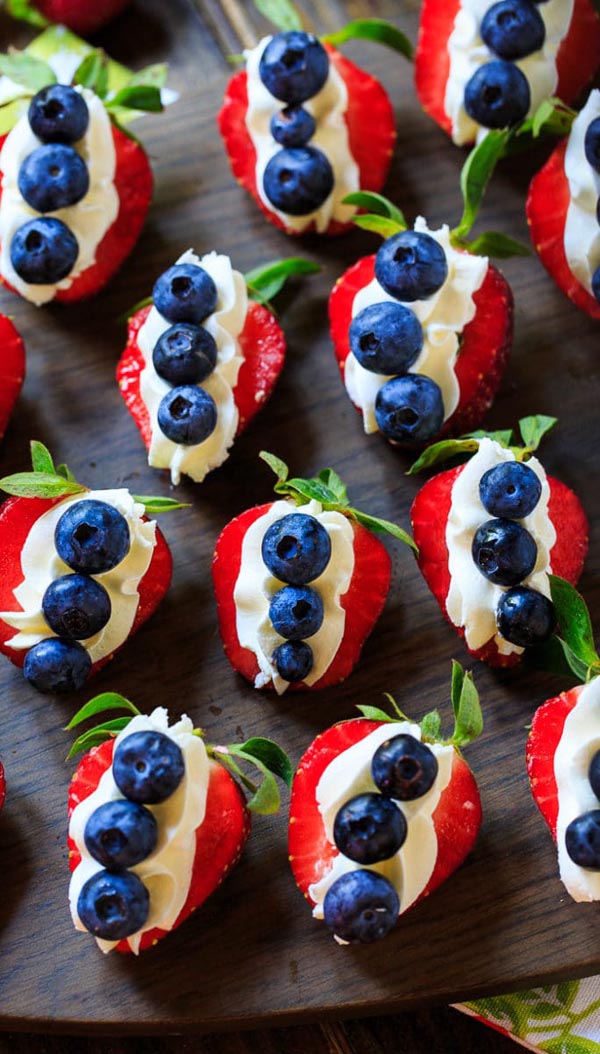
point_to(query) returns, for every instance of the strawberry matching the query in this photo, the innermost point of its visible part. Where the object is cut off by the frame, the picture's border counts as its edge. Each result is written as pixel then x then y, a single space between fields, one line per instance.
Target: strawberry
pixel 352 577
pixel 439 802
pixel 13 369
pixel 81 17
pixel 201 797
pixel 446 513
pixel 248 358
pixel 31 568
pixel 2 785
pixel 564 68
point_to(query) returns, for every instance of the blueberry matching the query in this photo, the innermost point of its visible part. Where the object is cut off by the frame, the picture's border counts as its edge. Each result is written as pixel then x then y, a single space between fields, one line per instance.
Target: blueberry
pixel 504 551
pixel 296 612
pixel 513 29
pixel 92 536
pixel 187 415
pixel 120 834
pixel 386 338
pixel 592 143
pixel 185 293
pixel 43 251
pixel 361 906
pixel 53 177
pixel 369 828
pixel 58 114
pixel 411 265
pixel 404 768
pixel 293 126
pixel 293 660
pixel 525 617
pixel 596 283
pixel 594 773
pixel 497 95
pixel 76 606
pixel 582 839
pixel 296 548
pixel 113 905
pixel 510 489
pixel 298 180
pixel 184 354
pixel 148 767
pixel 294 66
pixel 57 665
pixel 409 409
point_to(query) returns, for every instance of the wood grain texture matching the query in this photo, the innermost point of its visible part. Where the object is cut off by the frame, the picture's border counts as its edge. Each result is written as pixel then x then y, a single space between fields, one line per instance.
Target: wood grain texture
pixel 252 956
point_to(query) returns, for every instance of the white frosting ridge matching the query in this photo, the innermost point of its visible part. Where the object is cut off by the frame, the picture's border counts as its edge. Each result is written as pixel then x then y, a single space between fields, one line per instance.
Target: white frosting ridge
pixel 255 587
pixel 328 107
pixel 167 871
pixel 41 564
pixel 582 231
pixel 225 325
pixel 472 599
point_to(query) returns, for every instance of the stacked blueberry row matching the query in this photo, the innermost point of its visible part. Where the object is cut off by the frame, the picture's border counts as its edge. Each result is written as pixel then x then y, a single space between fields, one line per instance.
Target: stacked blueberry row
pixel 296 549
pixel 363 905
pixel 91 537
pixel 387 338
pixel 498 94
pixel 582 836
pixel 147 768
pixel 506 553
pixel 186 353
pixel 299 178
pixel 54 176
pixel 592 153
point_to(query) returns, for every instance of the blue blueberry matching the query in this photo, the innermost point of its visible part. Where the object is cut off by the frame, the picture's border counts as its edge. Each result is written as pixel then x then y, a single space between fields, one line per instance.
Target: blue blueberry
pixel 369 828
pixel 43 251
pixel 582 840
pixel 361 907
pixel 185 293
pixel 92 536
pixel 411 265
pixel 294 66
pixel 298 180
pixel 296 612
pixel 58 114
pixel 497 95
pixel 513 29
pixel 409 409
pixel 404 768
pixel 594 773
pixel 296 548
pixel 293 660
pixel 185 354
pixel 113 905
pixel 148 767
pixel 591 143
pixel 76 606
pixel 292 126
pixel 53 177
pixel 57 665
pixel 386 338
pixel 120 834
pixel 596 283
pixel 525 617
pixel 510 489
pixel 187 415
pixel 504 551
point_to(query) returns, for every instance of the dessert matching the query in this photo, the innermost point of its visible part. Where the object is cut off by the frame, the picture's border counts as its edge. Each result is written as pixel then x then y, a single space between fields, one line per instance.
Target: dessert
pixel 79 15
pixel 12 369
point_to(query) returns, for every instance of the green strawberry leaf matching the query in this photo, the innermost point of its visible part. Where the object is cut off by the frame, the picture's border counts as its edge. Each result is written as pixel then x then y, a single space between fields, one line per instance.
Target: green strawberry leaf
pixel 475 175
pixel 97 735
pixel 574 625
pixel 265 282
pixel 142 97
pixel 552 117
pixel 64 471
pixel 27 70
pixel 431 726
pixel 376 29
pixel 92 72
pixel 41 458
pixel 374 523
pixel 377 224
pixel 271 756
pixel 492 243
pixel 443 451
pixel 265 798
pixel 277 466
pixel 377 205
pixel 373 713
pixel 100 704
pixel 25 10
pixel 281 13
pixel 154 75
pixel 39 485
pixel 335 484
pixel 154 506
pixel 146 302
pixel 534 428
pixel 468 719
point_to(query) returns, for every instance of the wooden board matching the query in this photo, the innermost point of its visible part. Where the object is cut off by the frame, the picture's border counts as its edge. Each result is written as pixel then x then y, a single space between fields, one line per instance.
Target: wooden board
pixel 252 956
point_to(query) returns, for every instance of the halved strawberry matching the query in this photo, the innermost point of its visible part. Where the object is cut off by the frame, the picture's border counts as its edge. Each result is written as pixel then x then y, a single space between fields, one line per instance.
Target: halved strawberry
pixel 545 735
pixel 12 369
pixel 79 15
pixel 2 785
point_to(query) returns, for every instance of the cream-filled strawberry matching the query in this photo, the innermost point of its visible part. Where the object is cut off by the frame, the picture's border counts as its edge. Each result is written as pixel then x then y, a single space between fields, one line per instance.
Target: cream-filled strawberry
pixel 300 584
pixel 78 15
pixel 382 811
pixel 490 533
pixel 156 821
pixel 12 369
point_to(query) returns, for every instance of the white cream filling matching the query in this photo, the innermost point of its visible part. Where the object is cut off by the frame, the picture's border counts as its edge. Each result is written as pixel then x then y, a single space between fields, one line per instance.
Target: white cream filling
pixel 225 325
pixel 443 317
pixel 167 871
pixel 468 52
pixel 41 564
pixel 579 742
pixel 410 869
pixel 472 599
pixel 328 107
pixel 89 219
pixel 582 230
pixel 255 587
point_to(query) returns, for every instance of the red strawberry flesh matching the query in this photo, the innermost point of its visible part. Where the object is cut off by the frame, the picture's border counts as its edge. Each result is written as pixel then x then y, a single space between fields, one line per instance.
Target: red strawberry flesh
pixel 12 369
pixel 81 16
pixel 545 735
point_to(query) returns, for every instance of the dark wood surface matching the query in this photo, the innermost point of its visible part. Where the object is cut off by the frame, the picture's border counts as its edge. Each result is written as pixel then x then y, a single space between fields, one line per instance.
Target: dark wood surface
pixel 252 957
